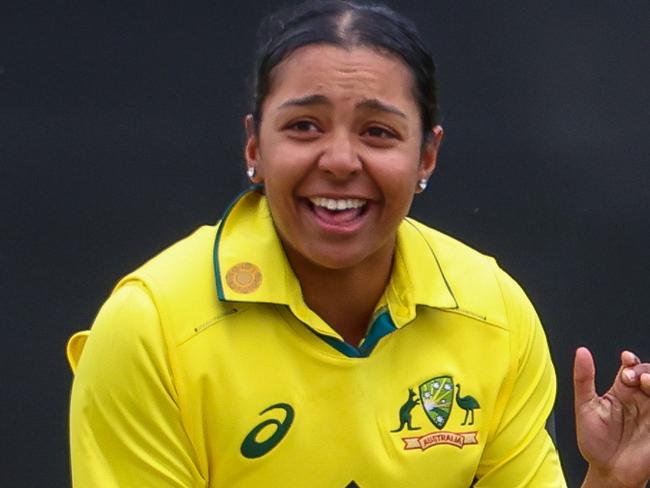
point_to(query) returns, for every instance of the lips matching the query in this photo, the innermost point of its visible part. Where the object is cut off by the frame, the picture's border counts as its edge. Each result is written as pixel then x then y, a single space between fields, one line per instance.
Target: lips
pixel 337 203
pixel 338 214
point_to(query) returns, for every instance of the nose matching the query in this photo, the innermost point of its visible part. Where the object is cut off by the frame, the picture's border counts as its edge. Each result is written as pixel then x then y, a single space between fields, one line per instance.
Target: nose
pixel 340 159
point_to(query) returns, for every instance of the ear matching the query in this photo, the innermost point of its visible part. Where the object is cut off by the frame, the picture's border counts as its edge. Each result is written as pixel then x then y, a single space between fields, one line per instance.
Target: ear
pixel 429 155
pixel 251 150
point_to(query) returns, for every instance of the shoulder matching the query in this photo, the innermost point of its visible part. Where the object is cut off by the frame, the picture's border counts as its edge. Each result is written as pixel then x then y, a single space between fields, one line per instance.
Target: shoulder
pixel 152 309
pixel 180 284
pixel 478 284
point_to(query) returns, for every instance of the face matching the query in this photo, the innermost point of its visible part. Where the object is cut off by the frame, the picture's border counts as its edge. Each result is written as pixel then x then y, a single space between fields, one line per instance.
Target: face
pixel 339 153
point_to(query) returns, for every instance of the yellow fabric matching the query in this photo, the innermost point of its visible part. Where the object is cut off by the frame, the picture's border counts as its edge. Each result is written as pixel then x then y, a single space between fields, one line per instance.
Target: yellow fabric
pixel 75 347
pixel 173 380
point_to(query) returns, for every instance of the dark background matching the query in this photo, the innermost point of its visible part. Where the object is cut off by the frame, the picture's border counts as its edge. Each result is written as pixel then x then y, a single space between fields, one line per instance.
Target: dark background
pixel 120 132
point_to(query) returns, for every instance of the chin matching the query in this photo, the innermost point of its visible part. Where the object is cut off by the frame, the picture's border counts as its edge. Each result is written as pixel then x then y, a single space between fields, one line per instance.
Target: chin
pixel 337 254
pixel 335 263
pixel 336 258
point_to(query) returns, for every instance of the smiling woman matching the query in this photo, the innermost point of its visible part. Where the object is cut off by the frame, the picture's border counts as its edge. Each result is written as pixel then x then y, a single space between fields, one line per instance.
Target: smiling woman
pixel 339 150
pixel 341 332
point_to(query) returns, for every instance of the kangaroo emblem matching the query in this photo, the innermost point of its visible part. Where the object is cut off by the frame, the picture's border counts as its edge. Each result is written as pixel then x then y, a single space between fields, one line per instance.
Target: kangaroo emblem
pixel 405 412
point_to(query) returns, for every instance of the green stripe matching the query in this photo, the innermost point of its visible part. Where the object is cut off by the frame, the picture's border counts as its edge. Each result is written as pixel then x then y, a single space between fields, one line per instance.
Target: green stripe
pixel 381 327
pixel 215 250
pixel 444 278
pixel 341 346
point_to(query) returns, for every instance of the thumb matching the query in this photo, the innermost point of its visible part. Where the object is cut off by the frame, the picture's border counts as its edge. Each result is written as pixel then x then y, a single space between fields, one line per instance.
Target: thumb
pixel 584 373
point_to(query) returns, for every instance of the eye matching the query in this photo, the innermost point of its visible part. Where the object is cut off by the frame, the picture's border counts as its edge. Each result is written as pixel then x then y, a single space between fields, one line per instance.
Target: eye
pixel 379 132
pixel 303 126
pixel 304 130
pixel 380 136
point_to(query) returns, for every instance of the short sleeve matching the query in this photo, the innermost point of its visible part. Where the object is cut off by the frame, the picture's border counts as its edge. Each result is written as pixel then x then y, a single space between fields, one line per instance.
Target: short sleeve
pixel 125 425
pixel 520 452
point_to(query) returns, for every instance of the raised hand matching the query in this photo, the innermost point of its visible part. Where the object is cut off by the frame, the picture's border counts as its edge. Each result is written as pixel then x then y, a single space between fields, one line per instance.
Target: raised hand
pixel 613 430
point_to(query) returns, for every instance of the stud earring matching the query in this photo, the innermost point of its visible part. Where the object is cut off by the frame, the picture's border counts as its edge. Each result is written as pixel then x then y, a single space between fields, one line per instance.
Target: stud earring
pixel 251 172
pixel 423 184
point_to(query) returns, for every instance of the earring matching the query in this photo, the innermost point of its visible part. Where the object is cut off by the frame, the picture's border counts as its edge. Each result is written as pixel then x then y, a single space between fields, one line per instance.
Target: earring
pixel 251 172
pixel 423 184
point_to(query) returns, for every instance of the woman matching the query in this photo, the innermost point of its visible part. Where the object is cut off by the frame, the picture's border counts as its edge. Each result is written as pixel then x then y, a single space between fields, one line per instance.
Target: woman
pixel 318 336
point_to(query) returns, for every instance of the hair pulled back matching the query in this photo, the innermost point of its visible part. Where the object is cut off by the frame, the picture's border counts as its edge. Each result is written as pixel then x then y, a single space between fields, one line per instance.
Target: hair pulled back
pixel 346 24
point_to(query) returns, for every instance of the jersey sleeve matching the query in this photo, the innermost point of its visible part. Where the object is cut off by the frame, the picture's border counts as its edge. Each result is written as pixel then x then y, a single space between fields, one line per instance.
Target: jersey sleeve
pixel 519 451
pixel 125 425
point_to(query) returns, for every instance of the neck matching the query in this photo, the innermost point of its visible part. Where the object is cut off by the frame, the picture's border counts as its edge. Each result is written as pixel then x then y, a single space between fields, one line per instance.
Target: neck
pixel 344 298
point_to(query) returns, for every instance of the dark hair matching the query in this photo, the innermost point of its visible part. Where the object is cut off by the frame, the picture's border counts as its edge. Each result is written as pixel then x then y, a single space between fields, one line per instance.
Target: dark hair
pixel 346 24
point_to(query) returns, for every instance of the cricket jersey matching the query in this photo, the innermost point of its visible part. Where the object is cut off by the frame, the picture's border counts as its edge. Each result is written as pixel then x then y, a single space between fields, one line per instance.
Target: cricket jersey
pixel 205 368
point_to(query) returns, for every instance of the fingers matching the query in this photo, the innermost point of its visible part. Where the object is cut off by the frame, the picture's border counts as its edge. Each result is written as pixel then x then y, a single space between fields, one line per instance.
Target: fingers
pixel 645 382
pixel 629 376
pixel 638 375
pixel 634 373
pixel 628 359
pixel 584 372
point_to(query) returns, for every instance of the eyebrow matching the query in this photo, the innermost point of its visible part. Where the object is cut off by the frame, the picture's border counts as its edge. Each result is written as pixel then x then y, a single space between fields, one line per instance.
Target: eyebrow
pixel 370 103
pixel 374 104
pixel 305 101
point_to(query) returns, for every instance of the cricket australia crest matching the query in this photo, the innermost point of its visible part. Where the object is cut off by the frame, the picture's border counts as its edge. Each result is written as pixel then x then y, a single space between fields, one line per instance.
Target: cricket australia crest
pixel 437 398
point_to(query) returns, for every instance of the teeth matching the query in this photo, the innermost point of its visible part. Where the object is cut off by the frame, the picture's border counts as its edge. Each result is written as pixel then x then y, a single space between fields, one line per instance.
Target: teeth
pixel 339 204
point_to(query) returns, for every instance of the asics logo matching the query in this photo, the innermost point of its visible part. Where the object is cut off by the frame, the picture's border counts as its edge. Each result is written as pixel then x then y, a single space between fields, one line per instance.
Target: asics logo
pixel 252 448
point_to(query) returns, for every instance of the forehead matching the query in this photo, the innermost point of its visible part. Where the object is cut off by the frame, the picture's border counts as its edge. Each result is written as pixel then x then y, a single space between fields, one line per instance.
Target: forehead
pixel 343 74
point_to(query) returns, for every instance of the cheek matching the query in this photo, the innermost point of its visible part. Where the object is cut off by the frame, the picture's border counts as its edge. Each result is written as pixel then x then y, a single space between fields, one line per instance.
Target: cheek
pixel 397 173
pixel 284 167
pixel 284 160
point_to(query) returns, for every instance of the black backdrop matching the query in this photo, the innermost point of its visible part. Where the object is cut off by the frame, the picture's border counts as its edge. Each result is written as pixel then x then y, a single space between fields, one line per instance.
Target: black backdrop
pixel 120 132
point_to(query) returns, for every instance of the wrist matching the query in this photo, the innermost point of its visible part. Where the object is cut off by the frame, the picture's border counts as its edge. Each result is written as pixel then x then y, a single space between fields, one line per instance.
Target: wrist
pixel 596 478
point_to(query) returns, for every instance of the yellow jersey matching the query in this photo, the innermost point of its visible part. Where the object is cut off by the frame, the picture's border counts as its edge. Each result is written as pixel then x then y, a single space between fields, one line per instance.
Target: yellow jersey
pixel 205 368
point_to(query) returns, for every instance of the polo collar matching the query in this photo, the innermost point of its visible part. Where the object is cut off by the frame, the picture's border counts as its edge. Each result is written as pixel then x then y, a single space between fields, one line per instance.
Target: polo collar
pixel 418 277
pixel 251 266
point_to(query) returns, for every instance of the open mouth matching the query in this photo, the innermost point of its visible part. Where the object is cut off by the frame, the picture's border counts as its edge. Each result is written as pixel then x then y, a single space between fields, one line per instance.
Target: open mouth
pixel 338 211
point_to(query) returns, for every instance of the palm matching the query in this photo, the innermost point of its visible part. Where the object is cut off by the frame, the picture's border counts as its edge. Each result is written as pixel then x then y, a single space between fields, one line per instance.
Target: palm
pixel 613 430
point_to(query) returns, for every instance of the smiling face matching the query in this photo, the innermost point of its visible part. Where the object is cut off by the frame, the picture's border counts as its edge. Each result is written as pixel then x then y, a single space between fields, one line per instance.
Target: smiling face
pixel 339 151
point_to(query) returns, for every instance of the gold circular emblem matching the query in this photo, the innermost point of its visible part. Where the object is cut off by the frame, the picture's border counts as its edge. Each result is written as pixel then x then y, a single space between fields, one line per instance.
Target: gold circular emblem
pixel 244 278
